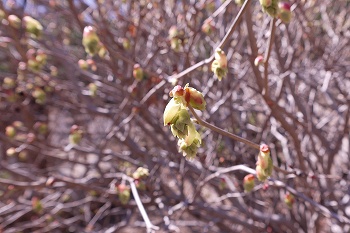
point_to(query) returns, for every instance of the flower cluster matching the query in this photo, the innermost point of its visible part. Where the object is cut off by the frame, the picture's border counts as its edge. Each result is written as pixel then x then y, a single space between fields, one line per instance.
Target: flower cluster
pixel 264 165
pixel 177 117
pixel 219 65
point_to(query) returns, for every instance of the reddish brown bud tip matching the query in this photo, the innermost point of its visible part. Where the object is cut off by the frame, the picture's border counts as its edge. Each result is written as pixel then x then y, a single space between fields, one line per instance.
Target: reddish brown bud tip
pixel 264 148
pixel 176 91
pixel 284 6
pixel 74 128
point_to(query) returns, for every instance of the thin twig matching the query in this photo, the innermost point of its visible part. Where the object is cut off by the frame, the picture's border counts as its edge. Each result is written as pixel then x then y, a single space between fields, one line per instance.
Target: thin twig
pixel 222 43
pixel 223 132
pixel 150 227
pixel 267 57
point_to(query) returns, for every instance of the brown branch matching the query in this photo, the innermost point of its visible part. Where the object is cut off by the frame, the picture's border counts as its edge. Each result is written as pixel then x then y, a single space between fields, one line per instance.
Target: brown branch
pixel 223 132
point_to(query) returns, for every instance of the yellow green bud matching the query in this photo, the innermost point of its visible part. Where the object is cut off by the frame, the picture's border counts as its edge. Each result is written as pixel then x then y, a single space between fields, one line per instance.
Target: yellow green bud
pixel 33 27
pixel 248 183
pixel 14 21
pixel 289 200
pixel 91 42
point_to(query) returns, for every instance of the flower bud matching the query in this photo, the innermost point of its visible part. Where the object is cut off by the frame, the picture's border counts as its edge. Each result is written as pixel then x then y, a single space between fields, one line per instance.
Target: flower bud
pixel 270 7
pixel 11 151
pixel 289 200
pixel 83 64
pixel 33 27
pixel 123 193
pixel 8 83
pixel 265 3
pixel 259 60
pixel 91 42
pixel 239 2
pixel 102 52
pixel 140 185
pixel 92 89
pixel 10 131
pixel 41 57
pixel 219 65
pixel 18 124
pixel 260 174
pixel 220 56
pixel 177 92
pixel 210 5
pixel 189 150
pixel 39 96
pixel 140 173
pixel 126 43
pixel 173 32
pixel 75 135
pixel 248 183
pixel 284 12
pixel 138 72
pixel 23 155
pixel 14 21
pixel 180 124
pixel 175 44
pixel 264 164
pixel 190 144
pixel 171 112
pixel 264 156
pixel 33 65
pixel 194 98
pixel 41 127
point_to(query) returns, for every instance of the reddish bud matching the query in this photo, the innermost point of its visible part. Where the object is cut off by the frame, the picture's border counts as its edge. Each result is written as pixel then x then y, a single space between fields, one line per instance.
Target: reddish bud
pixel 259 60
pixel 194 98
pixel 123 193
pixel 177 91
pixel 284 12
